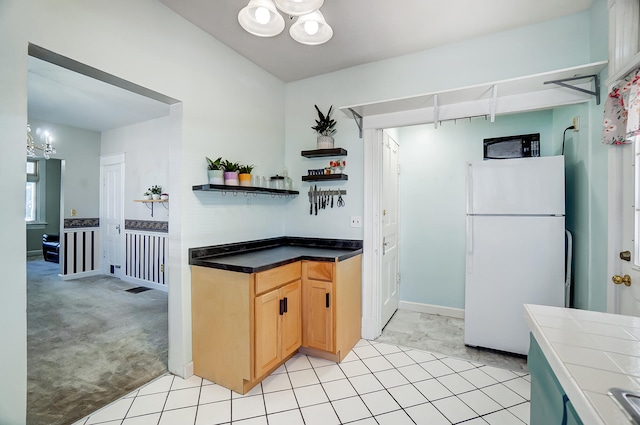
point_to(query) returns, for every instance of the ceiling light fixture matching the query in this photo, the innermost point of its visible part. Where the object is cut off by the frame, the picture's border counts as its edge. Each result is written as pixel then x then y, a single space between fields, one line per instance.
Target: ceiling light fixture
pixel 261 18
pixel 46 148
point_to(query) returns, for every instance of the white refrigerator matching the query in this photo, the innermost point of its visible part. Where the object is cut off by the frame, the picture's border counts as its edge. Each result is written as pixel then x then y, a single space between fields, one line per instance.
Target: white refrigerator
pixel 515 250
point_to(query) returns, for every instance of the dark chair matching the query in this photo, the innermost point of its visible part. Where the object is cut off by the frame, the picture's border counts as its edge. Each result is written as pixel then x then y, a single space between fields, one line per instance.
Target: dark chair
pixel 51 247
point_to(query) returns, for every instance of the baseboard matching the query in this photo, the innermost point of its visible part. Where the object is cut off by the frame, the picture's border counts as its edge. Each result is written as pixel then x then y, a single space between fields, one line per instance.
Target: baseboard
pixel 81 274
pixel 145 283
pixel 432 309
pixel 188 370
pixel 34 253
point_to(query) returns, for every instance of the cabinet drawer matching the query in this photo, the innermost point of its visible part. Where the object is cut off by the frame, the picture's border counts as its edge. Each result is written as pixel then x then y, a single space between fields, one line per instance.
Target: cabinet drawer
pixel 320 270
pixel 273 278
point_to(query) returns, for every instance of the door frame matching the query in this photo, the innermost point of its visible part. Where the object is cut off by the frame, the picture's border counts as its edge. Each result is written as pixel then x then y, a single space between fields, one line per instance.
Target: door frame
pixel 108 160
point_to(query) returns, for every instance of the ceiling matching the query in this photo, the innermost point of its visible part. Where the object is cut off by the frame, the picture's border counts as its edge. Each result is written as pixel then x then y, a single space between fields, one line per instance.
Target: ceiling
pixel 369 30
pixel 363 31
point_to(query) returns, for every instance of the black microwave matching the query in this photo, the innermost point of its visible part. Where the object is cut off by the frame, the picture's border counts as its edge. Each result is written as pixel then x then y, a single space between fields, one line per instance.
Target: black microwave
pixel 524 146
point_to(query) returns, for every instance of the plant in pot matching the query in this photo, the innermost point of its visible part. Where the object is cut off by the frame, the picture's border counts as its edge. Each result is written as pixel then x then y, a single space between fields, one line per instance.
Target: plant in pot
pixel 147 195
pixel 215 171
pixel 244 174
pixel 325 128
pixel 155 191
pixel 230 172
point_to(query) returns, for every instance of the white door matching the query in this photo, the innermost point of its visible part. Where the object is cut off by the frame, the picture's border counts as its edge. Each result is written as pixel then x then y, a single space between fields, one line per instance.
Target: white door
pixel 626 297
pixel 111 218
pixel 390 265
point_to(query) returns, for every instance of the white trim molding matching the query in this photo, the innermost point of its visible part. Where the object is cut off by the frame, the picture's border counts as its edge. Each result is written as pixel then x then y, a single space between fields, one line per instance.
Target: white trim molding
pixel 457 313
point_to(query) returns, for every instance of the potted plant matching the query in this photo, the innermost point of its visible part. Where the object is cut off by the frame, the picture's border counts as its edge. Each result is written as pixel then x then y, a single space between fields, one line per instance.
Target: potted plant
pixel 244 174
pixel 164 196
pixel 155 191
pixel 230 172
pixel 325 128
pixel 146 196
pixel 215 171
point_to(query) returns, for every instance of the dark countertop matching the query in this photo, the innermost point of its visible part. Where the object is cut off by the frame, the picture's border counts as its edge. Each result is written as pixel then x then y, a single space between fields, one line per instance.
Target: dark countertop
pixel 264 254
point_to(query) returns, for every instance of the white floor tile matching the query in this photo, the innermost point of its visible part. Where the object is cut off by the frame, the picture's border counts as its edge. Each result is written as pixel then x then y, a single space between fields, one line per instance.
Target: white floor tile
pixel 354 368
pixel 339 389
pixel 280 401
pixel 432 389
pixel 115 411
pixel 162 384
pixel 521 411
pixel 407 395
pixel 318 362
pixel 502 417
pixel 399 359
pixel 310 395
pixel 351 409
pixel 276 383
pixel 329 373
pixel 301 378
pixel 180 384
pixel 476 421
pixel 427 414
pixel 391 378
pixel 292 417
pixel 481 403
pixel 297 362
pixel 257 390
pixel 456 383
pixel 143 405
pixel 366 351
pixel 182 398
pixel 457 364
pixel 367 421
pixel 281 369
pixel 399 417
pixel 384 348
pixel 140 420
pixel 363 343
pixel 414 373
pixel 213 393
pixel 437 368
pixel 214 413
pixel 365 384
pixel 503 395
pixel 454 409
pixel 247 407
pixel 183 416
pixel 478 378
pixel 498 374
pixel 262 420
pixel 376 364
pixel 320 414
pixel 380 402
pixel 350 357
pixel 420 356
pixel 520 386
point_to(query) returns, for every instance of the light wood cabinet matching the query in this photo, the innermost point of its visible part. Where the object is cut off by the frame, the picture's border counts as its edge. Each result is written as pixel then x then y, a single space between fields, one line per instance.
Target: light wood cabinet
pixel 332 307
pixel 278 331
pixel 239 335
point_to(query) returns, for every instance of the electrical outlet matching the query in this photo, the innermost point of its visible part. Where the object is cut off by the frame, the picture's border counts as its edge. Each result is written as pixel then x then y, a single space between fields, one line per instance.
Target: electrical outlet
pixel 356 221
pixel 576 123
pixel 73 212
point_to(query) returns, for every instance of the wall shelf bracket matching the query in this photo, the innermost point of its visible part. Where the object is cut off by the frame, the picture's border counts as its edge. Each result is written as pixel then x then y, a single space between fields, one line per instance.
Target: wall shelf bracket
pixel 494 102
pixel 436 111
pixel 595 92
pixel 358 118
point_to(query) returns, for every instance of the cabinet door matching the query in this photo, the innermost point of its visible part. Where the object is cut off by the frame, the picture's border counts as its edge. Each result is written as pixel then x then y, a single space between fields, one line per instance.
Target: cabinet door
pixel 267 319
pixel 290 325
pixel 318 315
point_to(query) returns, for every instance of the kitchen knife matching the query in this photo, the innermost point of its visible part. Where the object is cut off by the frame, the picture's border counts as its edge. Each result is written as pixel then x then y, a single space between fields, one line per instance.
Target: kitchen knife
pixel 310 201
pixel 315 197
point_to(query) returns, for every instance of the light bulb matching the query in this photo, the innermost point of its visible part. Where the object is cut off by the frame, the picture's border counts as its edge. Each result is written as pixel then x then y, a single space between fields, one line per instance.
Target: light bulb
pixel 311 27
pixel 262 15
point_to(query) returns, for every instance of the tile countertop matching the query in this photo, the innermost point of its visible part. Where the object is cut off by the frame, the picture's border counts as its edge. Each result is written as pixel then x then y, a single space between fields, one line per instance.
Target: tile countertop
pixel 589 353
pixel 259 255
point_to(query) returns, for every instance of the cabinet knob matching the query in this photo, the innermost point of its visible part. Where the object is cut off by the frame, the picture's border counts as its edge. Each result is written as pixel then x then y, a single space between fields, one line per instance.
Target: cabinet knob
pixel 626 279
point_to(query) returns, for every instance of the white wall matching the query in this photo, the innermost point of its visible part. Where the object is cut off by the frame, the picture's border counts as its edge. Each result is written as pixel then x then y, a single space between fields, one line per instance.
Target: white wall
pixel 230 108
pixel 80 150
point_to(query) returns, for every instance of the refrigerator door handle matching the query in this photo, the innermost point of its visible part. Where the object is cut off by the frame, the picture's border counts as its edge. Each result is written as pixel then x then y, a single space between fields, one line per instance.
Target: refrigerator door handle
pixel 469 244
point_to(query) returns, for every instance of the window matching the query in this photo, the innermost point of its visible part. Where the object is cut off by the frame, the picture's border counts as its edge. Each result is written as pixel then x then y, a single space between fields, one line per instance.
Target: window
pixel 33 190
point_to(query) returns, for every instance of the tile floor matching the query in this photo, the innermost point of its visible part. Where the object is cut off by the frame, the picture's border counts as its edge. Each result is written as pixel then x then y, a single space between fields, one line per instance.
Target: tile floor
pixel 377 383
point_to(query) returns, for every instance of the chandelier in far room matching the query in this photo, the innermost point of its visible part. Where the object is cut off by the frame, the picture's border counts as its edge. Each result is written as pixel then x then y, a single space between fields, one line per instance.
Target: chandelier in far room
pixel 46 147
pixel 263 18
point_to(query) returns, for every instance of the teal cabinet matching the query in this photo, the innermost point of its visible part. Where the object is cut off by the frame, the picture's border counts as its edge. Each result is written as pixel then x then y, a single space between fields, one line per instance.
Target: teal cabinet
pixel 549 402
